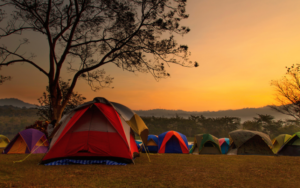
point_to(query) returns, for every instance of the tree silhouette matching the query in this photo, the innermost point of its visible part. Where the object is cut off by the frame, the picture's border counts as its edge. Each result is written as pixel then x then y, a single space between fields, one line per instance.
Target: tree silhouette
pixel 288 92
pixel 252 125
pixel 264 119
pixel 264 123
pixel 135 35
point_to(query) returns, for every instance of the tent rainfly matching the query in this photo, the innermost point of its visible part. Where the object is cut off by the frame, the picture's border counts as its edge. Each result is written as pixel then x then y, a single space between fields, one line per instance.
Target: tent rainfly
pixel 246 142
pixel 133 120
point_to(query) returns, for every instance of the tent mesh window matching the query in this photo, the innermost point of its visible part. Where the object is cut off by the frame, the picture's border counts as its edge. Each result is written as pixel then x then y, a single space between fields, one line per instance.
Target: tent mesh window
pixel 209 144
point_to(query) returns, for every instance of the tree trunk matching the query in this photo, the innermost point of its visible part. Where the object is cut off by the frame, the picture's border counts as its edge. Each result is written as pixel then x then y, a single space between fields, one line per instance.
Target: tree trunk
pixel 58 103
pixel 57 113
pixel 56 98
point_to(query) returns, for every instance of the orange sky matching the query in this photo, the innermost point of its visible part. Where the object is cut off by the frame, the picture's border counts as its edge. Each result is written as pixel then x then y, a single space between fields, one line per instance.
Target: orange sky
pixel 240 45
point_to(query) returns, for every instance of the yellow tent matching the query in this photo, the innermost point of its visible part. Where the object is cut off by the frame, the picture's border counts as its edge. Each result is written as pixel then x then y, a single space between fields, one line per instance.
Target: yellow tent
pixel 279 141
pixel 3 141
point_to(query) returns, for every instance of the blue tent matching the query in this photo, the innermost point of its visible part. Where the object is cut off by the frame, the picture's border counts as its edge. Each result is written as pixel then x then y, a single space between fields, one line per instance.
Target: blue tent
pixel 152 144
pixel 172 142
pixel 224 144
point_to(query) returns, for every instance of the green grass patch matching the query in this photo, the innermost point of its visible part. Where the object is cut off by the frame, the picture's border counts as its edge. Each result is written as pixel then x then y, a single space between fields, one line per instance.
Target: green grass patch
pixel 164 170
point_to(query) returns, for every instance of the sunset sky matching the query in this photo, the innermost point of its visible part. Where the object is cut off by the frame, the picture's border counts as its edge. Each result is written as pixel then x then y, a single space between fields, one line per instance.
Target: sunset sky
pixel 240 45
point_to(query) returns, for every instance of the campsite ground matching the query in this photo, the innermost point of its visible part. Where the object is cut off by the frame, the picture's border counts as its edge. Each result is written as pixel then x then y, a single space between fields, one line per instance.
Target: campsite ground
pixel 164 170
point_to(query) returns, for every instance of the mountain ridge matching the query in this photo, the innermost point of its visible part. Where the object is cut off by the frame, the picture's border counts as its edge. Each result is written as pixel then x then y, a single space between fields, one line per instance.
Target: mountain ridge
pixel 16 103
pixel 244 113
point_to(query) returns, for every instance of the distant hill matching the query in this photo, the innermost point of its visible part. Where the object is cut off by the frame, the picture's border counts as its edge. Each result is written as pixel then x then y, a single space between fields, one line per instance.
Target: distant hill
pixel 245 113
pixel 16 103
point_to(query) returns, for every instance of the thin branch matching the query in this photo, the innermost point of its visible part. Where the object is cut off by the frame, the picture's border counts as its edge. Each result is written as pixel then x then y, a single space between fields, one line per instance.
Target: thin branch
pixel 27 61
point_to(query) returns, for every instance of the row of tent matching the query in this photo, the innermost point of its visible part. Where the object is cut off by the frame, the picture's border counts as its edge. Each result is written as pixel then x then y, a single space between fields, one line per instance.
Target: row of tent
pixel 101 131
pixel 240 142
pixel 243 142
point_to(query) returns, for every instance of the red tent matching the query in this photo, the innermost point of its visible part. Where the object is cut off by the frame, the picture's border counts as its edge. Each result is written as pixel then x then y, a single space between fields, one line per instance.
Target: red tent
pixel 94 130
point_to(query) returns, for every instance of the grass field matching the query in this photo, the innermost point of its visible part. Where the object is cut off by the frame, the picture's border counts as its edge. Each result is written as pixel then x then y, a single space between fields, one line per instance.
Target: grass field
pixel 164 170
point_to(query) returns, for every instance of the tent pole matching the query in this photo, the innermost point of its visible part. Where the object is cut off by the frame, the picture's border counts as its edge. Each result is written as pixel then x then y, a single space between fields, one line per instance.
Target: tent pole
pixel 30 153
pixel 146 151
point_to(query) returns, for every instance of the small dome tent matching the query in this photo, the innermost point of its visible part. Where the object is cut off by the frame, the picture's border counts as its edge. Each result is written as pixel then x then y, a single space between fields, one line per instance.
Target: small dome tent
pixel 152 144
pixel 172 142
pixel 291 146
pixel 246 142
pixel 206 144
pixel 94 132
pixel 279 141
pixel 4 141
pixel 224 145
pixel 28 141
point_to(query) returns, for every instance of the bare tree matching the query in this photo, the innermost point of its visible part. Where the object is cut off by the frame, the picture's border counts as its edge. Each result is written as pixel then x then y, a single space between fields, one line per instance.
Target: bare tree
pixel 288 92
pixel 135 35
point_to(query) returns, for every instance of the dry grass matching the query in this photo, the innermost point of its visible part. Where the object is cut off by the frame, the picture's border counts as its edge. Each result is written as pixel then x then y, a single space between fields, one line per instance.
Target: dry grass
pixel 164 170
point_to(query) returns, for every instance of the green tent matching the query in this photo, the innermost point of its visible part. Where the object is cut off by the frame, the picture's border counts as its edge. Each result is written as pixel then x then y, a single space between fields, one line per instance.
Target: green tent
pixel 279 141
pixel 291 146
pixel 3 141
pixel 206 144
pixel 246 142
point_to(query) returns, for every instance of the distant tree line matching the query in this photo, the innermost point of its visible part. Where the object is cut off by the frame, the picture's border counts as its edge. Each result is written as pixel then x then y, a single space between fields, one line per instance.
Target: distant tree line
pixel 220 126
pixel 267 124
pixel 14 120
pixel 11 111
pixel 10 126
